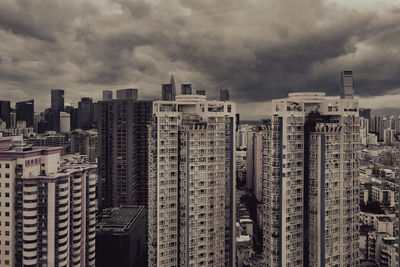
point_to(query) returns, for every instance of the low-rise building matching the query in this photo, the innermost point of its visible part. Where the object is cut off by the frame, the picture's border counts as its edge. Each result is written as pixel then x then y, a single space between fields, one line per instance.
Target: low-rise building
pixel 121 237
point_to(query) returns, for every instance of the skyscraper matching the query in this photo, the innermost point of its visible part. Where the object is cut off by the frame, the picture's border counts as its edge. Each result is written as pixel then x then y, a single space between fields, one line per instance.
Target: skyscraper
pixel 122 136
pixel 5 110
pixel 86 113
pixel 168 91
pixel 192 183
pixel 346 84
pixel 57 106
pixel 311 182
pixel 25 112
pixel 224 95
pixel 73 112
pixel 48 218
pixel 57 100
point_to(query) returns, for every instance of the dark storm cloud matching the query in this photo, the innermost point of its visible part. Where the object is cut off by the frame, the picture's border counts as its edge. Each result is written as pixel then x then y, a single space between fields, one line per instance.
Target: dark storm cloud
pixel 260 49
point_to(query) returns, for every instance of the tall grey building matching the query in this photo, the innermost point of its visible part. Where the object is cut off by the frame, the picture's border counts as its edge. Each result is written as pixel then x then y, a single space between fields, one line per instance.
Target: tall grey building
pixel 25 112
pixel 168 91
pixel 311 182
pixel 5 110
pixel 224 95
pixel 57 99
pixel 86 113
pixel 122 137
pixel 346 84
pixel 192 183
pixel 57 106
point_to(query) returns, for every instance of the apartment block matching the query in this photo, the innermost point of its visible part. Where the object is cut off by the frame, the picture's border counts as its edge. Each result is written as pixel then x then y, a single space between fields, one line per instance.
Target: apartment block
pixel 48 208
pixel 122 146
pixel 310 182
pixel 192 183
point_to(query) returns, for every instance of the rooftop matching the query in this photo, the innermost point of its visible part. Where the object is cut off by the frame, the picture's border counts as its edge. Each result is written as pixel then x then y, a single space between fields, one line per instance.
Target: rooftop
pixel 119 219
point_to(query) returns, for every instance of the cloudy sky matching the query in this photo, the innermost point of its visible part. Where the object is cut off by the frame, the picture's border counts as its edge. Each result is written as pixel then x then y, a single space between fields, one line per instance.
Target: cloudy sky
pixel 260 49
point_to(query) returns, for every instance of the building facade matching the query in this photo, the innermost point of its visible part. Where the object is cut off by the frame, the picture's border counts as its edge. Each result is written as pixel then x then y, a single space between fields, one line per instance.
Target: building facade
pixel 48 210
pixel 122 144
pixel 311 184
pixel 86 143
pixel 25 112
pixel 5 110
pixel 192 183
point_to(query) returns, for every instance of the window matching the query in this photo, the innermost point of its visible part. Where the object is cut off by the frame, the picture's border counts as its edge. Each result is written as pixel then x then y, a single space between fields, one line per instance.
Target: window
pixel 7 175
pixel 7 166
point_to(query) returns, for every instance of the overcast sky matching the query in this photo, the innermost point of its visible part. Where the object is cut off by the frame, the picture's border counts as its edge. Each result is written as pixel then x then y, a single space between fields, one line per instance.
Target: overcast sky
pixel 259 49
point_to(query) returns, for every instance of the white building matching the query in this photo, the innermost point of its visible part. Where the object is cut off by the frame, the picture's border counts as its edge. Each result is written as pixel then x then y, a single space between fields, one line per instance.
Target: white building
pixel 192 183
pixel 65 122
pixel 48 211
pixel 311 181
pixel 383 194
pixel 241 140
pixel 364 131
pixel 382 249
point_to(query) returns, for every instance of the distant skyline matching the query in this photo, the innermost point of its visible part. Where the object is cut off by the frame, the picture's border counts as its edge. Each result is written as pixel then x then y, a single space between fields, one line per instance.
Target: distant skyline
pixel 260 50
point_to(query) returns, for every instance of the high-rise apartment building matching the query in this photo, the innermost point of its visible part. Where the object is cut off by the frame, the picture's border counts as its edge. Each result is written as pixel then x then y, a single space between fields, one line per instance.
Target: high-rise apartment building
pixel 85 143
pixel 254 170
pixel 25 112
pixel 48 210
pixel 192 183
pixel 122 137
pixel 311 182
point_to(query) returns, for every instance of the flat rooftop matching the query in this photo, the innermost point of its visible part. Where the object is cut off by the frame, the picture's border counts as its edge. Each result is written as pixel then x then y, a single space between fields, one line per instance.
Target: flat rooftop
pixel 119 219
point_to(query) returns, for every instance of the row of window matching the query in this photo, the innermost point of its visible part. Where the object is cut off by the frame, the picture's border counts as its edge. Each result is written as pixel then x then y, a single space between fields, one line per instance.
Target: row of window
pixel 7 165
